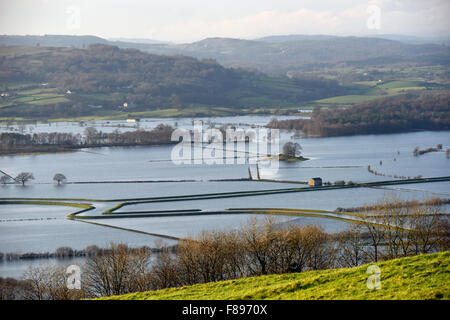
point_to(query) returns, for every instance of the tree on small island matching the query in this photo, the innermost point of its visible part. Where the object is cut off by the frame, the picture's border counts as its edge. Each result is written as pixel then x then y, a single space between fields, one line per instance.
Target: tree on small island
pixel 24 177
pixel 59 177
pixel 291 151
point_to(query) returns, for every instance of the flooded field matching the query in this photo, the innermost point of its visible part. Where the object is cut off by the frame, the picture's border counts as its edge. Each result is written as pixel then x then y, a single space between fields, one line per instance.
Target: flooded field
pixel 44 228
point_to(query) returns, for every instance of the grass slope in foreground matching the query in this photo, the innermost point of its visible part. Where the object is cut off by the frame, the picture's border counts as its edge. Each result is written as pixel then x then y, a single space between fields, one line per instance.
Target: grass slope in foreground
pixel 417 277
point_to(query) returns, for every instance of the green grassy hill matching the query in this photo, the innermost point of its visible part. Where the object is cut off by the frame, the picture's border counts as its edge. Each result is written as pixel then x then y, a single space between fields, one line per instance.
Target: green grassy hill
pixel 418 277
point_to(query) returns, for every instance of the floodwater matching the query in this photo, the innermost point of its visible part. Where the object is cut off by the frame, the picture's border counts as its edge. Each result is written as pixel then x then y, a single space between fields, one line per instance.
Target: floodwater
pixel 29 228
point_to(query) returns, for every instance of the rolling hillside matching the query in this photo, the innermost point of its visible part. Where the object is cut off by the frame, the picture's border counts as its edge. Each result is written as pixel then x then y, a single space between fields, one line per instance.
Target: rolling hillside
pixel 419 277
pixel 62 77
pixel 273 54
pixel 43 81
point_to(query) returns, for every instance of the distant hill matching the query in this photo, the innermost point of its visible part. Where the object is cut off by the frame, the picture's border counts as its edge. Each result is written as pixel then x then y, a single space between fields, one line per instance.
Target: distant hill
pixel 295 37
pixel 139 40
pixel 289 53
pixel 395 37
pixel 414 39
pixel 50 40
pixel 273 54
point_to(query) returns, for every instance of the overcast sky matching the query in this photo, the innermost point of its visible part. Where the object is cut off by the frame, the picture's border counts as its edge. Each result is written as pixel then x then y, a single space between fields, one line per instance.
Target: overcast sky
pixel 191 20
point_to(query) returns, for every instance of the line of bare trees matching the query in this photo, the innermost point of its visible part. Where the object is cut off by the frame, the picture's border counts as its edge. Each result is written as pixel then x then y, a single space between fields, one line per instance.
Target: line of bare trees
pixel 388 230
pixel 11 142
pixel 24 177
pixel 411 228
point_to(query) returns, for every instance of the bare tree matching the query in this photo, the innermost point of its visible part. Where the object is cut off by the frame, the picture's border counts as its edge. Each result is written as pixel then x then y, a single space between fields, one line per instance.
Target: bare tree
pixel 258 239
pixel 427 227
pixel 410 227
pixel 291 149
pixel 234 265
pixel 118 271
pixel 91 135
pixel 351 247
pixel 203 256
pixel 59 178
pixel 11 289
pixel 4 179
pixel 23 177
pixel 164 271
pixel 323 253
pixel 49 282
pixel 301 243
pixel 374 231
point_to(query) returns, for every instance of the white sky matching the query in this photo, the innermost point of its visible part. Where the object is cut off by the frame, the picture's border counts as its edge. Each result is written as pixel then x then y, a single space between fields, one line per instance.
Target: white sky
pixel 191 20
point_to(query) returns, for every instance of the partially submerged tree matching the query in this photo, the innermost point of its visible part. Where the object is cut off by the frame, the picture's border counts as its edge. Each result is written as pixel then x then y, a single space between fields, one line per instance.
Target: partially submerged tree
pixel 351 247
pixel 410 228
pixel 23 177
pixel 4 179
pixel 60 178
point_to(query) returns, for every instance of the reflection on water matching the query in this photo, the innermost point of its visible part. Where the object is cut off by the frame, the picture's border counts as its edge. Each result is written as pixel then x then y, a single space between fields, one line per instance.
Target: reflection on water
pixel 17 268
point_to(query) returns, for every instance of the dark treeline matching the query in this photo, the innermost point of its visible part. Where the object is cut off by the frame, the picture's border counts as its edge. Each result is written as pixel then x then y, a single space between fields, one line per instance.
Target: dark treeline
pixel 396 114
pixel 258 248
pixel 54 141
pixel 65 253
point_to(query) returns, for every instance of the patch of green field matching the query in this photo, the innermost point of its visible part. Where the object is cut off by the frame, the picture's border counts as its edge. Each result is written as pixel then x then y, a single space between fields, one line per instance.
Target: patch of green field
pixel 97 96
pixel 277 83
pixel 37 91
pixel 25 99
pixel 186 112
pixel 41 99
pixel 419 277
pixel 403 90
pixel 401 84
pixel 6 103
pixel 31 93
pixel 49 101
pixel 349 99
pixel 366 83
pixel 44 95
pixel 16 85
pixel 371 90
